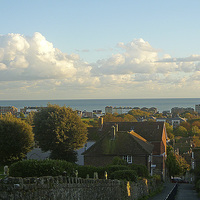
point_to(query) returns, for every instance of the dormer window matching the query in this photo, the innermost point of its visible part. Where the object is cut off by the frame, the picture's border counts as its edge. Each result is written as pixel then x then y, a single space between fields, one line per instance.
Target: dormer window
pixel 128 159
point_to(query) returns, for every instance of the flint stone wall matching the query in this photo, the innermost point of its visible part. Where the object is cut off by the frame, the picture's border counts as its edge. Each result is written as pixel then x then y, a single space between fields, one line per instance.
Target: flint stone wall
pixel 65 188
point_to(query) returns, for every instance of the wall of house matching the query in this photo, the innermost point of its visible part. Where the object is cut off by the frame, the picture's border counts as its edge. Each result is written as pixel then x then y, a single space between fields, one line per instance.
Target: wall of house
pixel 105 160
pixel 98 161
pixel 64 188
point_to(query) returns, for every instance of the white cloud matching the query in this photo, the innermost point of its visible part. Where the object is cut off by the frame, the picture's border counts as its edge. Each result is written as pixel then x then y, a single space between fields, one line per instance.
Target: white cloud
pixel 32 65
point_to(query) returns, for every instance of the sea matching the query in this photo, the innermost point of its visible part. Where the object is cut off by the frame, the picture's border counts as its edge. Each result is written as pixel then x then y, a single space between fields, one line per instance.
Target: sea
pixel 100 104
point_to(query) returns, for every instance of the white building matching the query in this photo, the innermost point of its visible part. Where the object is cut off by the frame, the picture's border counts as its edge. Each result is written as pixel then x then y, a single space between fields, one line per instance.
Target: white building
pixel 197 108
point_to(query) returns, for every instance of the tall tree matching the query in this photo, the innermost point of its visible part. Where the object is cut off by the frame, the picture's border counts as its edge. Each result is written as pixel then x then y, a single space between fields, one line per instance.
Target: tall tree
pixel 16 138
pixel 60 130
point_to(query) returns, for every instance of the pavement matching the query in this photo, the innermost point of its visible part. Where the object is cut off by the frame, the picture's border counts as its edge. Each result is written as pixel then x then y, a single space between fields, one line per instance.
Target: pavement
pixel 185 192
pixel 167 187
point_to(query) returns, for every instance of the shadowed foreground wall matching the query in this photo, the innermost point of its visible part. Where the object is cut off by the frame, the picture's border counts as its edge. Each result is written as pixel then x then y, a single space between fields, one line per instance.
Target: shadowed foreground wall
pixel 64 188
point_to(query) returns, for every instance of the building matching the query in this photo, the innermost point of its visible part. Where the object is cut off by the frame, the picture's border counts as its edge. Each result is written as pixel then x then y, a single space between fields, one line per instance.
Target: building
pixel 8 109
pixel 176 110
pixel 27 110
pixel 137 142
pixel 108 109
pixel 175 122
pixel 197 108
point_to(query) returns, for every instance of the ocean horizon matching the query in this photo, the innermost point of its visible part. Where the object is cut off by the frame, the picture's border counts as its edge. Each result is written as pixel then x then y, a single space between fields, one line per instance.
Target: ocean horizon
pixel 161 104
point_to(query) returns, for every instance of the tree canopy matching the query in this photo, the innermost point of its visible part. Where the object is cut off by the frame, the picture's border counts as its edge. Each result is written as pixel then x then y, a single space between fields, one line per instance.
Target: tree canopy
pixel 60 130
pixel 16 138
pixel 175 163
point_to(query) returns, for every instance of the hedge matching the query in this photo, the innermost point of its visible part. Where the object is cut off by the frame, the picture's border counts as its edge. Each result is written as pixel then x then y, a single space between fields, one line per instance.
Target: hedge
pixel 129 175
pixel 37 168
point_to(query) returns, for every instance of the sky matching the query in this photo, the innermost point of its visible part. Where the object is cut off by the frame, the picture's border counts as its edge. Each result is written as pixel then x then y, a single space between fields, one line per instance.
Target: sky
pixel 108 49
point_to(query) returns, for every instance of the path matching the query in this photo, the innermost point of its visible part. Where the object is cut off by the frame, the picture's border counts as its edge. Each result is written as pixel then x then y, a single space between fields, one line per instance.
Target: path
pixel 186 192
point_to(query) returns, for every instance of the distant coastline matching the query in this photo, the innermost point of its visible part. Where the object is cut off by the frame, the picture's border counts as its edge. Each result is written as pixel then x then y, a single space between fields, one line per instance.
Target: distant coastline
pixel 91 104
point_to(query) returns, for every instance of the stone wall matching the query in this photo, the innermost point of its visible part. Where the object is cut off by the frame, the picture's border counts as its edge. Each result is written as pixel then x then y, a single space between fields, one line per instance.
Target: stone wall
pixel 65 188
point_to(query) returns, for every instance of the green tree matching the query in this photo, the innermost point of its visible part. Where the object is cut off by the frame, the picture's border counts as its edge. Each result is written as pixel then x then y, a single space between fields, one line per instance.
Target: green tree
pixel 137 113
pixel 169 129
pixel 171 162
pixel 181 131
pixel 16 138
pixel 60 130
pixel 195 131
pixel 175 163
pixel 30 118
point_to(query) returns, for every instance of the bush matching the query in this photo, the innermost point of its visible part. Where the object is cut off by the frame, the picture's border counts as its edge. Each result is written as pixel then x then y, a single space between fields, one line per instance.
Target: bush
pixel 84 170
pixel 141 170
pixel 118 161
pixel 112 168
pixel 35 168
pixel 129 175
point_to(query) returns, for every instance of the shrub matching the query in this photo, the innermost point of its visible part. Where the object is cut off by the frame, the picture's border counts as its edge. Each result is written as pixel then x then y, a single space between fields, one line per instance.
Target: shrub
pixel 118 161
pixel 35 168
pixel 141 170
pixel 84 170
pixel 129 175
pixel 112 168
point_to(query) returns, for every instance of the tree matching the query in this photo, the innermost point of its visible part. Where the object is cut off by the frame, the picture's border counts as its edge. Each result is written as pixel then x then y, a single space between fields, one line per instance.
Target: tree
pixel 171 162
pixel 195 131
pixel 169 129
pixel 60 130
pixel 16 138
pixel 175 163
pixel 181 131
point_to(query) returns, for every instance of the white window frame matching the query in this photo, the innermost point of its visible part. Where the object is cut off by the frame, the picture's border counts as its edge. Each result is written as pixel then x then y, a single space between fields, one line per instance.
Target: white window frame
pixel 128 159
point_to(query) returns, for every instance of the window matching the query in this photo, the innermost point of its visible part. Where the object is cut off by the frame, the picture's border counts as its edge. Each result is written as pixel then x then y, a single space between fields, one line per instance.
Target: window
pixel 128 159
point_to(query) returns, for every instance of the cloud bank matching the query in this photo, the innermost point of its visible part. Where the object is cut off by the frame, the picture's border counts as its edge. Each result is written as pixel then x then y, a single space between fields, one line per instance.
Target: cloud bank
pixel 33 66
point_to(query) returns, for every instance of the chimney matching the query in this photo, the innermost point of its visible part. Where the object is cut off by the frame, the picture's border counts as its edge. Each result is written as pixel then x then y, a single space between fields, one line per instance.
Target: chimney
pixel 113 132
pixel 116 127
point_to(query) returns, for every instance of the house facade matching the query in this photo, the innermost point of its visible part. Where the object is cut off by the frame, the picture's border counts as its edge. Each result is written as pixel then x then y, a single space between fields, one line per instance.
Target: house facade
pixel 136 142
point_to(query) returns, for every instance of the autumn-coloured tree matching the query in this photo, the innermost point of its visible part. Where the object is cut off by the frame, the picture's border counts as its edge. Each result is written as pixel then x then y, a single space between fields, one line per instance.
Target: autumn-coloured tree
pixel 16 138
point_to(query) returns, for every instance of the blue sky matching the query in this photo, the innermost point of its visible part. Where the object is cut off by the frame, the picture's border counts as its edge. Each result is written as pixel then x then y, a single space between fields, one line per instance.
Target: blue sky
pixel 89 49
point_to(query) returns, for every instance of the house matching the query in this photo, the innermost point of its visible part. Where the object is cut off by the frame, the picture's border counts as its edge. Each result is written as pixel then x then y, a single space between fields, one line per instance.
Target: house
pixel 125 144
pixel 136 142
pixel 175 122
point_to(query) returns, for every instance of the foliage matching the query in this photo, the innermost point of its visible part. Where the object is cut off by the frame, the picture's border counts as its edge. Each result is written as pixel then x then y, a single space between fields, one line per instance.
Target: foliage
pixel 83 171
pixel 60 130
pixel 196 123
pixel 112 168
pixel 59 154
pixel 22 116
pixel 137 113
pixel 141 170
pixel 169 129
pixel 90 122
pixel 171 162
pixel 196 141
pixel 181 131
pixel 119 118
pixel 118 161
pixel 175 163
pixel 16 138
pixel 129 175
pixel 35 168
pixel 195 130
pixel 30 118
pixel 186 125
